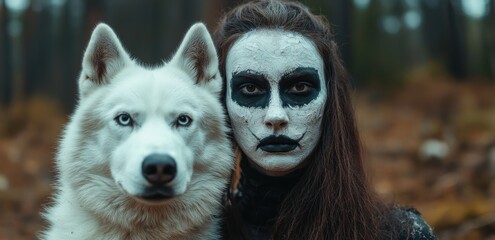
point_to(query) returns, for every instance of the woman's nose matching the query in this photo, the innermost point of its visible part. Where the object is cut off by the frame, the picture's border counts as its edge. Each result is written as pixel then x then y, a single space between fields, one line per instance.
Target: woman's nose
pixel 276 116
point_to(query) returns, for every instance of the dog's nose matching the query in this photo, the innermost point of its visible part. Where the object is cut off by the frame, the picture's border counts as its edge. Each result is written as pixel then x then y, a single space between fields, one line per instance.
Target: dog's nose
pixel 159 168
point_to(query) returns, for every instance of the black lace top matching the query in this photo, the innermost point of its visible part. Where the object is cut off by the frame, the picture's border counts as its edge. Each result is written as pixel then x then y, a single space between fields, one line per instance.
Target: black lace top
pixel 259 198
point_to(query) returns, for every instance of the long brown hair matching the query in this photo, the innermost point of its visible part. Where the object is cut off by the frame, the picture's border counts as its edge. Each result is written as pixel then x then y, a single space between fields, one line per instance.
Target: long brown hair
pixel 332 200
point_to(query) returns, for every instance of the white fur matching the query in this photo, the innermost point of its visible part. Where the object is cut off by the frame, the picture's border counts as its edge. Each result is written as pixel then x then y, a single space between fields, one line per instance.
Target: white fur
pixel 274 53
pixel 99 162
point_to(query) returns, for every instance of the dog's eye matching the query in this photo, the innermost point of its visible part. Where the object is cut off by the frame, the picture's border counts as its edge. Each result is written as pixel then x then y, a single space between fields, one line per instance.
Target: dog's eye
pixel 124 120
pixel 183 121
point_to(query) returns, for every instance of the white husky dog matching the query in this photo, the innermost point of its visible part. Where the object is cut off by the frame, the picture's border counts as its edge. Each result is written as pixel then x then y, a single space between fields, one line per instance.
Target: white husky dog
pixel 146 153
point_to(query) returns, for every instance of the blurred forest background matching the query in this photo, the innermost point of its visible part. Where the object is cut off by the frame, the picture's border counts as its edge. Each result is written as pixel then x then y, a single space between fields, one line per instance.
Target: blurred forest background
pixel 424 72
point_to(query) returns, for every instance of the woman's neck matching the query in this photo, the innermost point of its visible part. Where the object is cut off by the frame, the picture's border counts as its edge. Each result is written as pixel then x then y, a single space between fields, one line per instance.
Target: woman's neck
pixel 259 196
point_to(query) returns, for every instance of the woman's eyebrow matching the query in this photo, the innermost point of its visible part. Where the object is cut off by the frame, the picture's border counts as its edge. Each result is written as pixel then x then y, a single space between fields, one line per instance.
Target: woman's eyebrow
pixel 308 73
pixel 248 75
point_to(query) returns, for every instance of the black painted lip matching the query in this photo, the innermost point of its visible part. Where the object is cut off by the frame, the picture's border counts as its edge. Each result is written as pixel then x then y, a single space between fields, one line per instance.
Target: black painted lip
pixel 279 143
pixel 278 147
pixel 157 193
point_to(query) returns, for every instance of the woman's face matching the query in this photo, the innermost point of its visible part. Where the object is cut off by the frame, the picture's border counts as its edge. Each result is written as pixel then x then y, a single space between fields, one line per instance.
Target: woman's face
pixel 276 95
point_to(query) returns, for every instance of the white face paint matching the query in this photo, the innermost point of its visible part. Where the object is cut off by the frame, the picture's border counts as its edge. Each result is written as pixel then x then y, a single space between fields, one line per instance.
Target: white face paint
pixel 276 95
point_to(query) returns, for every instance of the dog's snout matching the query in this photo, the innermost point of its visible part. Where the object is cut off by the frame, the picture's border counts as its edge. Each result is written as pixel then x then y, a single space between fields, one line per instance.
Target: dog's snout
pixel 159 168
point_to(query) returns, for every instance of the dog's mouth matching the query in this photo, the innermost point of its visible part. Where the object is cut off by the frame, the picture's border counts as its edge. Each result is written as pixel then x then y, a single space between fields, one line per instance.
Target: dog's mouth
pixel 155 194
pixel 279 143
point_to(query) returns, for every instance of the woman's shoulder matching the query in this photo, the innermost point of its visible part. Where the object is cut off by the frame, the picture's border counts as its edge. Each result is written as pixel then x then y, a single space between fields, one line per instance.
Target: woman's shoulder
pixel 416 227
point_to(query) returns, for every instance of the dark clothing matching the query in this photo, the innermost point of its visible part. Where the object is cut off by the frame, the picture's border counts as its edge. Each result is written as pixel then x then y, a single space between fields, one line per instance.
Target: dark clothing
pixel 419 229
pixel 259 197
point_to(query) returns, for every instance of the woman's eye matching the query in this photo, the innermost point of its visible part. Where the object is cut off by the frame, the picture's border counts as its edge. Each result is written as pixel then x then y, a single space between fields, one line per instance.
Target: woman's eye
pixel 124 120
pixel 183 121
pixel 250 89
pixel 300 87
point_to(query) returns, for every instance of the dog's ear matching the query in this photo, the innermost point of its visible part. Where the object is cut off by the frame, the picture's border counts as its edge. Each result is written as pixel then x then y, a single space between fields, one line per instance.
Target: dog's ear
pixel 103 59
pixel 198 58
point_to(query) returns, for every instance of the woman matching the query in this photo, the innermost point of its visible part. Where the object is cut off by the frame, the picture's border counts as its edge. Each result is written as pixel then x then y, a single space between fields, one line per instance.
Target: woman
pixel 287 96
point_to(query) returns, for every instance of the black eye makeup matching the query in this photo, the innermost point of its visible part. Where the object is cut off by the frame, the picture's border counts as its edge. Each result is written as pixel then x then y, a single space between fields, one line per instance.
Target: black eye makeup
pixel 299 87
pixel 250 89
pixel 296 88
